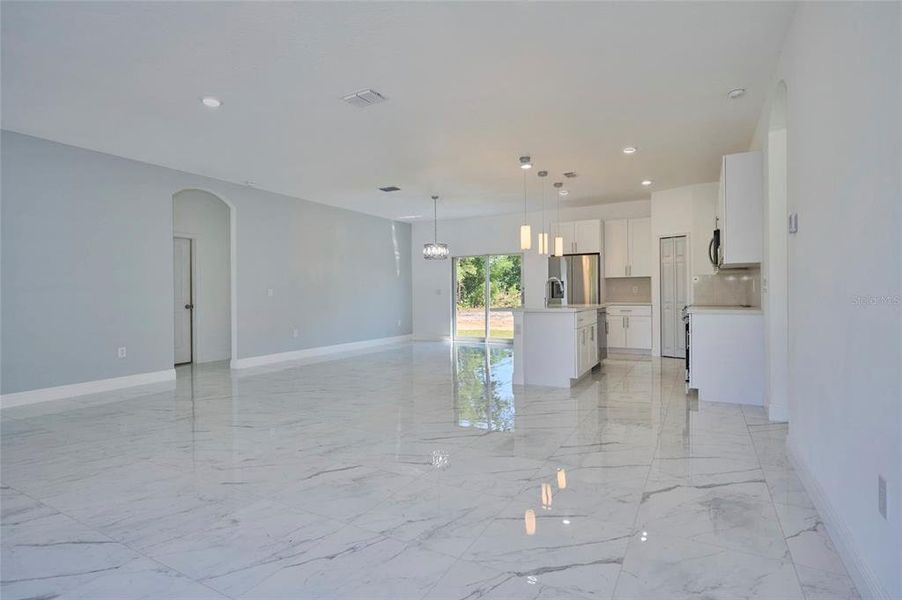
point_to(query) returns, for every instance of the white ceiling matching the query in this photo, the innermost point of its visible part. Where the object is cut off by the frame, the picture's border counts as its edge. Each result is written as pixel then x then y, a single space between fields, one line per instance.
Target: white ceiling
pixel 471 87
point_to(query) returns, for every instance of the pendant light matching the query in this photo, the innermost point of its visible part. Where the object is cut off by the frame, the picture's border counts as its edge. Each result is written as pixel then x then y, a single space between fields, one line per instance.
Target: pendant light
pixel 543 235
pixel 558 238
pixel 525 229
pixel 434 250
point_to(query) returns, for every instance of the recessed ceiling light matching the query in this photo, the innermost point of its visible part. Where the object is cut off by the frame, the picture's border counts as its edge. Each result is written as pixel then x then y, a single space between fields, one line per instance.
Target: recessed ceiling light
pixel 630 150
pixel 736 93
pixel 646 182
pixel 211 101
pixel 525 162
pixel 566 521
pixel 570 174
pixel 563 192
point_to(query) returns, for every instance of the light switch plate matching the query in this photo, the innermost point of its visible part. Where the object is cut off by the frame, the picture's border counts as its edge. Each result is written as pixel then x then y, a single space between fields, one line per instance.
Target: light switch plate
pixel 881 495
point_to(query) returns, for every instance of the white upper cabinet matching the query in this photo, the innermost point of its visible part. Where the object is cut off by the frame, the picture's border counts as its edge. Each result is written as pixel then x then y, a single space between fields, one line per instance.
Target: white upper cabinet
pixel 580 237
pixel 568 232
pixel 588 236
pixel 740 209
pixel 627 248
pixel 640 247
pixel 616 248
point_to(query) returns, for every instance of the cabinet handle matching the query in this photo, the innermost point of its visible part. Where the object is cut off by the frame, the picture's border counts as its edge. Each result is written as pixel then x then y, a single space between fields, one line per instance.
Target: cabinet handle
pixel 623 321
pixel 591 334
pixel 627 322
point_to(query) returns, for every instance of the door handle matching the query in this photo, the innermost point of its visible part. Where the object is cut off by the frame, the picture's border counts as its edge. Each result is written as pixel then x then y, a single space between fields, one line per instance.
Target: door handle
pixel 189 306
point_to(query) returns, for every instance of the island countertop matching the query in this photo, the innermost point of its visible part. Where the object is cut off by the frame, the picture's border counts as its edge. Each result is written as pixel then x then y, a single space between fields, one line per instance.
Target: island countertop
pixel 569 308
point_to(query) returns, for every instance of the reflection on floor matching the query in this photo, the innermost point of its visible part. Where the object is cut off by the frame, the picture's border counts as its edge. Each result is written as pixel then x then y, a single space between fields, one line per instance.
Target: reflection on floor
pixel 417 471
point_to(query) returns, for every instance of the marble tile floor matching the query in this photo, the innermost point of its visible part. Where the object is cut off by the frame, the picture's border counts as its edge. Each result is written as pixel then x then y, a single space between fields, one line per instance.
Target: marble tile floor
pixel 415 471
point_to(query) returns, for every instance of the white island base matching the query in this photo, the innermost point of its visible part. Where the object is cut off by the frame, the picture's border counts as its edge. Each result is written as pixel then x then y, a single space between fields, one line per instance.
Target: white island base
pixel 554 346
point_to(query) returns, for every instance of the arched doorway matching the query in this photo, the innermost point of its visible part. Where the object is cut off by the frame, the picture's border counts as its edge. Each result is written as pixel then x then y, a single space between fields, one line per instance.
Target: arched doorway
pixel 203 230
pixel 777 261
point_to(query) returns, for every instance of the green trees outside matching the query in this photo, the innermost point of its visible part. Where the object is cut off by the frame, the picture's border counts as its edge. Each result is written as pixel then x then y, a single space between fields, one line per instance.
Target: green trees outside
pixel 504 279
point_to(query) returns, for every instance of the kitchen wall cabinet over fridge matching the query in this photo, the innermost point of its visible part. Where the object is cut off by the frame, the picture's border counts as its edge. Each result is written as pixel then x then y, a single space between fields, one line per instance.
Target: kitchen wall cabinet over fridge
pixel 580 237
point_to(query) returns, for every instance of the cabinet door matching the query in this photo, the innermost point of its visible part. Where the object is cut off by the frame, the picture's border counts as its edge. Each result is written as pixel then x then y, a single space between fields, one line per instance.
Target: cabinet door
pixel 616 331
pixel 640 247
pixel 741 224
pixel 588 236
pixel 638 333
pixel 568 232
pixel 593 345
pixel 616 249
pixel 580 351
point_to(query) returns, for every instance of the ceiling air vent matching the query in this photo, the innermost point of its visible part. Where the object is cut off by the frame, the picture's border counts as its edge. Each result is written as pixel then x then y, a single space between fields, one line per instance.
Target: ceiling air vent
pixel 570 174
pixel 390 188
pixel 363 98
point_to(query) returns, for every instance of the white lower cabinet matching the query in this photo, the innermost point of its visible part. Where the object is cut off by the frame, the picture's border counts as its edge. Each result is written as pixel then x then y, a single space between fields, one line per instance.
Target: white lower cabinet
pixel 586 348
pixel 629 327
pixel 616 331
pixel 638 333
pixel 554 346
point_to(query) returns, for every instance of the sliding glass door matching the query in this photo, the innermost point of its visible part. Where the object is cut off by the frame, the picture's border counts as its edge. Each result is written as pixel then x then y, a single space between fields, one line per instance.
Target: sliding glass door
pixel 486 290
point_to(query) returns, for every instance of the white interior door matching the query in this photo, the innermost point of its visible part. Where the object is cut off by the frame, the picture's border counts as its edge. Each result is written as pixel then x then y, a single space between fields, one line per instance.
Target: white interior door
pixel 673 296
pixel 183 306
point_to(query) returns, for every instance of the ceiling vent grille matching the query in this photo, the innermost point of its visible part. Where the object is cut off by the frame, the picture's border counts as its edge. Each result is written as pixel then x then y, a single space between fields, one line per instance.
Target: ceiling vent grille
pixel 570 174
pixel 364 98
pixel 390 188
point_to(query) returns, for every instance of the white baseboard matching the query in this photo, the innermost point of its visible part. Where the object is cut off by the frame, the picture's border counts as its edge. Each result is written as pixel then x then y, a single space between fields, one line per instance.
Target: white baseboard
pixel 862 575
pixel 81 389
pixel 778 413
pixel 432 338
pixel 268 359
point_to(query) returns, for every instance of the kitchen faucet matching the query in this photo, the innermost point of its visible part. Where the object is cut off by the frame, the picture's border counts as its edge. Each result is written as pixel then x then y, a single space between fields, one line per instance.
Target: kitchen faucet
pixel 551 284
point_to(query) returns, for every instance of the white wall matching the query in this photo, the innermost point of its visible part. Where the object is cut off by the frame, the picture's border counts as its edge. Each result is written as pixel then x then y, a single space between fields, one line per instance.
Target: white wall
pixel 498 234
pixel 687 210
pixel 841 66
pixel 204 218
pixel 87 267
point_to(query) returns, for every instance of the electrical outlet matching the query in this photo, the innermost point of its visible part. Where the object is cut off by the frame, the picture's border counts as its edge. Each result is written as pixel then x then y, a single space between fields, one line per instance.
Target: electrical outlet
pixel 635 289
pixel 122 352
pixel 294 332
pixel 881 495
pixel 269 292
pixel 438 291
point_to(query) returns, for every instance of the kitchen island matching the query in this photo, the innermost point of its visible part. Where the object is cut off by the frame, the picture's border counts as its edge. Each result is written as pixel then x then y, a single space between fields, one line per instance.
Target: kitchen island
pixel 556 345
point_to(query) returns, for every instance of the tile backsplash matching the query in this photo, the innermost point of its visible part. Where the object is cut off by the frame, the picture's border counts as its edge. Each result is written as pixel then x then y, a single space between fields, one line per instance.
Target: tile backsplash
pixel 627 289
pixel 734 287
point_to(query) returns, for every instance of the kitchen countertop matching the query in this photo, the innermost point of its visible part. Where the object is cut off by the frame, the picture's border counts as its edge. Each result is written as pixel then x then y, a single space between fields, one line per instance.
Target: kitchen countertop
pixel 570 308
pixel 627 303
pixel 723 310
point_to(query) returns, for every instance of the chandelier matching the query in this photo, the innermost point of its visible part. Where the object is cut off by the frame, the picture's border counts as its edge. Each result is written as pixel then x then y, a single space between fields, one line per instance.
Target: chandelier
pixel 433 250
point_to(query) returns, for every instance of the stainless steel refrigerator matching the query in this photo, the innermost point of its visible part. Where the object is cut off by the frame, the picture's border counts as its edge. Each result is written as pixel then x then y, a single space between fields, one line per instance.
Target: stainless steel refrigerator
pixel 580 278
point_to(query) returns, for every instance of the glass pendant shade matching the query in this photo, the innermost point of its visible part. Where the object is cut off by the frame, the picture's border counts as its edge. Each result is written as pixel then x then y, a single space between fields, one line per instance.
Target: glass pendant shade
pixel 543 243
pixel 434 250
pixel 525 237
pixel 558 245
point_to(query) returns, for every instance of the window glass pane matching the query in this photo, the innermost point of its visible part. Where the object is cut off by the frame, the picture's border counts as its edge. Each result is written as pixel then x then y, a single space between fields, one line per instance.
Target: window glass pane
pixel 506 293
pixel 470 297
